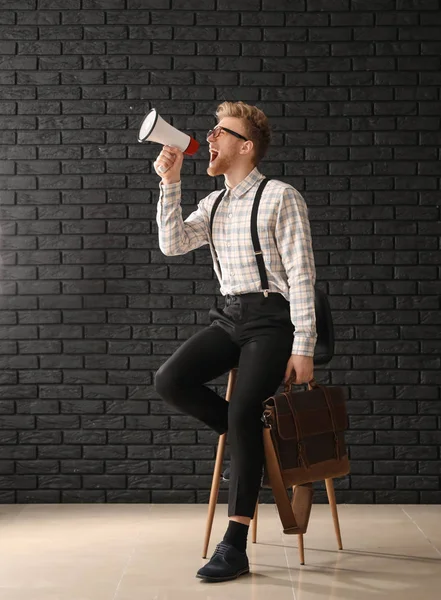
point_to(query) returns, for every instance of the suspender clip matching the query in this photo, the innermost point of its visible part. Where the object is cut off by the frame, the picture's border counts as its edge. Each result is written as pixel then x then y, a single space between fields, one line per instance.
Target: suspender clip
pixel 265 293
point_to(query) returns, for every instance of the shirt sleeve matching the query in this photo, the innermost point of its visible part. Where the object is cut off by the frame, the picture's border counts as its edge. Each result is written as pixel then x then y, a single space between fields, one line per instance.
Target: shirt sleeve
pixel 177 236
pixel 294 243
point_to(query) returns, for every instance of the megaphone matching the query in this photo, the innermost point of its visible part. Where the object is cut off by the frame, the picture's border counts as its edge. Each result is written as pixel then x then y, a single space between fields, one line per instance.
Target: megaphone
pixel 154 129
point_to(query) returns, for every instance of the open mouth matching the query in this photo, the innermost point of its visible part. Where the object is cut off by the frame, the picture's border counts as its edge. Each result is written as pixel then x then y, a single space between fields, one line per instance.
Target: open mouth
pixel 213 155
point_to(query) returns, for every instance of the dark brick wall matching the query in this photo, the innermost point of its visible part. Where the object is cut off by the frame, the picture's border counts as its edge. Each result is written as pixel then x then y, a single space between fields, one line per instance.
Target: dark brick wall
pixel 90 306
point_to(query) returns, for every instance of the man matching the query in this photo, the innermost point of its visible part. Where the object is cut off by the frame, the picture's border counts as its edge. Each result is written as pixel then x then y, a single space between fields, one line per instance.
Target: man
pixel 254 331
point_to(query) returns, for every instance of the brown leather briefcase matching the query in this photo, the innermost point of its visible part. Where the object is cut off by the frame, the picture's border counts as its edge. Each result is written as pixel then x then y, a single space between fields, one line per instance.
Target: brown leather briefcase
pixel 304 442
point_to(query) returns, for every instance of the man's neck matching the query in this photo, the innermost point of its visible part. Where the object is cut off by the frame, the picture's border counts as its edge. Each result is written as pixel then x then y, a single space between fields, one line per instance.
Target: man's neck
pixel 237 175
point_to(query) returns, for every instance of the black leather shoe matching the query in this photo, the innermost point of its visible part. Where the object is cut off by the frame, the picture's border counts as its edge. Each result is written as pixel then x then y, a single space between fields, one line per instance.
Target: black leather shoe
pixel 225 564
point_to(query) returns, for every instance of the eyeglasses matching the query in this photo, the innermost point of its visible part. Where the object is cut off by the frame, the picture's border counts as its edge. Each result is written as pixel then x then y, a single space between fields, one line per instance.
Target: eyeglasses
pixel 217 131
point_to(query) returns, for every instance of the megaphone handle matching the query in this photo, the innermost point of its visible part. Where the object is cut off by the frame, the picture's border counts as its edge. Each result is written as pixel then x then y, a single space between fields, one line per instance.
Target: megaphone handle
pixel 163 169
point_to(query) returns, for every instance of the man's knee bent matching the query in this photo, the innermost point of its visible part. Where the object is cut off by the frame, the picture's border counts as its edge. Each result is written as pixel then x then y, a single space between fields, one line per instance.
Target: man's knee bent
pixel 166 384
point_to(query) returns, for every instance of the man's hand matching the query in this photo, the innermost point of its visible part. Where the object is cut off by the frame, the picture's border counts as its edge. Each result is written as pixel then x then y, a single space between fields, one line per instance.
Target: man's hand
pixel 301 368
pixel 170 159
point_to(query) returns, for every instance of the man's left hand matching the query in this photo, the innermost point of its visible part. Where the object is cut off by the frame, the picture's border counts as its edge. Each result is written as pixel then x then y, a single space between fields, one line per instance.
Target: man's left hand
pixel 301 368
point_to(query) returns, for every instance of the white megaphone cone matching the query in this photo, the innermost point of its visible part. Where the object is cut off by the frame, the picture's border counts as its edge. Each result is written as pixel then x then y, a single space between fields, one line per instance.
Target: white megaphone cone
pixel 155 129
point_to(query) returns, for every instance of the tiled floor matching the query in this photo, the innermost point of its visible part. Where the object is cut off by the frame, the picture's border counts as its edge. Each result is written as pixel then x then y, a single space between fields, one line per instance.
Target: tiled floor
pixel 152 552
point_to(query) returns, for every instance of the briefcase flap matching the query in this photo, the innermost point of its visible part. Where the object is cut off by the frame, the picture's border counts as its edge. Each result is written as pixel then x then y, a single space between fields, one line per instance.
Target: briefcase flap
pixel 304 414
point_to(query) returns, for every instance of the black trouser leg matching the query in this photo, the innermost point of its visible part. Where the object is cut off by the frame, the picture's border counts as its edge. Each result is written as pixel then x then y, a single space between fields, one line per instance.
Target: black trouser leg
pixel 180 380
pixel 261 370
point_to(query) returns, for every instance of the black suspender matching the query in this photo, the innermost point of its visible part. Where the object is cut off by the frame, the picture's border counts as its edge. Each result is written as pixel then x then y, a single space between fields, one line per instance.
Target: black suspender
pixel 213 212
pixel 254 234
pixel 214 209
pixel 255 238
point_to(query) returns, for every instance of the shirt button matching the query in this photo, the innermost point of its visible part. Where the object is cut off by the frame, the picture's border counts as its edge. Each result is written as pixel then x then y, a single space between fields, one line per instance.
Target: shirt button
pixel 230 215
pixel 228 244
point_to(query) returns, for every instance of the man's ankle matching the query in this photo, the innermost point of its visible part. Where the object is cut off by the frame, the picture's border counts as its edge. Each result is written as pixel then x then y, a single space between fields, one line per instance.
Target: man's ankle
pixel 243 520
pixel 236 535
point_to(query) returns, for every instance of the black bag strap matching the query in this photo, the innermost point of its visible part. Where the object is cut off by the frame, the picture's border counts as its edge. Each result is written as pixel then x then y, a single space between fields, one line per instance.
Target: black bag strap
pixel 254 234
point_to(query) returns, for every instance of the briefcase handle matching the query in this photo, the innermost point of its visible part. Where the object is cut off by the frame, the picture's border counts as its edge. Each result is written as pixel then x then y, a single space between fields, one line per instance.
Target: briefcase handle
pixel 290 382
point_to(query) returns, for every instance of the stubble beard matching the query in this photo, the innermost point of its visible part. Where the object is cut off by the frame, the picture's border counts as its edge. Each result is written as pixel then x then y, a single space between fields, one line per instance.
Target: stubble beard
pixel 220 166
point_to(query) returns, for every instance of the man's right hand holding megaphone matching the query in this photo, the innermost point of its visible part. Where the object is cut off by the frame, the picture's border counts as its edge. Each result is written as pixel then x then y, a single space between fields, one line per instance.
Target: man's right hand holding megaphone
pixel 168 165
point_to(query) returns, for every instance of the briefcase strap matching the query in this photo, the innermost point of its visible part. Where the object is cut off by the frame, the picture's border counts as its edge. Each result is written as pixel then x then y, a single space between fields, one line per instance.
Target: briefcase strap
pixel 302 494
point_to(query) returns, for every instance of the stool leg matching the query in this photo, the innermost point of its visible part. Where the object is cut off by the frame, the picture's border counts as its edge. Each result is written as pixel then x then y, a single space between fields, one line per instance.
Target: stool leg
pixel 214 492
pixel 331 497
pixel 301 549
pixel 254 522
pixel 217 470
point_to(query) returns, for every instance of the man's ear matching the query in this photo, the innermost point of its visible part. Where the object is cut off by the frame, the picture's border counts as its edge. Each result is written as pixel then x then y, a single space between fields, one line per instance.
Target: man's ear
pixel 249 146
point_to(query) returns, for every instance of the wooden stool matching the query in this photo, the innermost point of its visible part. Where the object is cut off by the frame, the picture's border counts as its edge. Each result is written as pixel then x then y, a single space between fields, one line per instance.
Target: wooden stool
pixel 216 483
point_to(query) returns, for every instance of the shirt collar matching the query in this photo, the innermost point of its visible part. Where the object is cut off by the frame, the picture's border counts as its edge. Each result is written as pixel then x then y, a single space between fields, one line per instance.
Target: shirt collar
pixel 246 184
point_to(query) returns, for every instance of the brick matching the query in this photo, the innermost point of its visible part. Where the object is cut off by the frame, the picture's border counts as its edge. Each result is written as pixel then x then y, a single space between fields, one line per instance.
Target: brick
pixel 429 407
pixel 371 452
pixel 370 422
pixel 418 483
pixel 193 452
pixel 415 452
pixel 395 467
pixel 399 437
pixel 394 407
pixel 171 466
pixel 396 497
pixel 375 482
pixel 63 362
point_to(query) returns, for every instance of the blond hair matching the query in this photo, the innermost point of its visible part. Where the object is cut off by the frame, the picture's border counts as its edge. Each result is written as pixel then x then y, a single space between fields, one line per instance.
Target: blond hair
pixel 255 121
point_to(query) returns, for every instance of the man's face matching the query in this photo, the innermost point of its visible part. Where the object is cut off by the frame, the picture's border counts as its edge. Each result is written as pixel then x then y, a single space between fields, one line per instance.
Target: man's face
pixel 225 149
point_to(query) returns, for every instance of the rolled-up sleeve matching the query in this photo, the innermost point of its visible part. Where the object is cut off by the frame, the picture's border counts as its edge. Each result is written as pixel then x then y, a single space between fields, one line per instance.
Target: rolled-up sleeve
pixel 177 236
pixel 294 243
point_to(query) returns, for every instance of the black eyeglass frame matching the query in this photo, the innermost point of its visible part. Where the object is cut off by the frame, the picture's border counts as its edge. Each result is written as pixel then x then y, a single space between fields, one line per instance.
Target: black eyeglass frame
pixel 221 128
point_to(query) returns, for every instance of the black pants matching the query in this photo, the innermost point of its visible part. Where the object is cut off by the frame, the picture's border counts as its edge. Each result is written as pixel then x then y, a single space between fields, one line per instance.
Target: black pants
pixel 252 333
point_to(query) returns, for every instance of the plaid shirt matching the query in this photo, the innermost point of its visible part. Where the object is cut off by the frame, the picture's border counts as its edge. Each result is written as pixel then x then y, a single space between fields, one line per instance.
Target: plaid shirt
pixel 284 235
